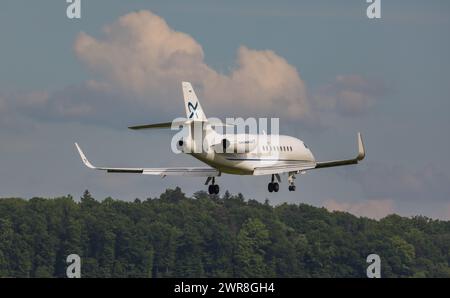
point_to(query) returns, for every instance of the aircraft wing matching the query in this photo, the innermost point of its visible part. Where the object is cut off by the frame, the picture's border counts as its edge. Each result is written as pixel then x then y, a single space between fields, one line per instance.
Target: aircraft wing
pixel 297 167
pixel 181 171
pixel 344 162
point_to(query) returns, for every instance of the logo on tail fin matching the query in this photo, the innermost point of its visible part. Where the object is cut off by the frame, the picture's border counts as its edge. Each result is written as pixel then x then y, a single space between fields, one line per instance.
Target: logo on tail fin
pixel 192 109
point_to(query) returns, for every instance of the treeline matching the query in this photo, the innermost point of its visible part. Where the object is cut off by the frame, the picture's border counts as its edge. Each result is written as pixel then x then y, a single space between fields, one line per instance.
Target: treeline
pixel 211 236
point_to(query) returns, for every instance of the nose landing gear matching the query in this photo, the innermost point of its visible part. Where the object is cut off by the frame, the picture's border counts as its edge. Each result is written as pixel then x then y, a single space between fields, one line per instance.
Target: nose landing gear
pixel 291 179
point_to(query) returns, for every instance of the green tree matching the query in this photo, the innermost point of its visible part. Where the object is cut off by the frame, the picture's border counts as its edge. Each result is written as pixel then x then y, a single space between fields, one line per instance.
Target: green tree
pixel 179 236
pixel 251 242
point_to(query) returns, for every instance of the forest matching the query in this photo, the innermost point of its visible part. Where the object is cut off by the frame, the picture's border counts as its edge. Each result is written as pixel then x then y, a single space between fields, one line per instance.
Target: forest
pixel 211 236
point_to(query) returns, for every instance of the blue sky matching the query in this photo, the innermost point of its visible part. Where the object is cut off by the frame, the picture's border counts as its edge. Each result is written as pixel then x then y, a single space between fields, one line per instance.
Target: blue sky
pixel 395 70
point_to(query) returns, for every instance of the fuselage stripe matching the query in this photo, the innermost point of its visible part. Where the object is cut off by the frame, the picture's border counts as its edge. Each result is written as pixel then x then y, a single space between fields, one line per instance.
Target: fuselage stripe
pixel 267 159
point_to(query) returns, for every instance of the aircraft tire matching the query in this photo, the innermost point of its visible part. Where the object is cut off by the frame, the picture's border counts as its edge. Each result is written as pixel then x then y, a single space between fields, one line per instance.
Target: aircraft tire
pixel 216 189
pixel 276 187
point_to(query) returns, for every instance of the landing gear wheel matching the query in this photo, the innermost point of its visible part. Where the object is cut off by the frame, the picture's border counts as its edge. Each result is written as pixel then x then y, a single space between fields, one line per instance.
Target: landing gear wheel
pixel 216 188
pixel 213 189
pixel 291 187
pixel 276 187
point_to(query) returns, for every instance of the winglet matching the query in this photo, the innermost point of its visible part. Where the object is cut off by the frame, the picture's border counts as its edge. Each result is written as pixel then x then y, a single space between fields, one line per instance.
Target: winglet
pixel 361 149
pixel 83 157
pixel 343 162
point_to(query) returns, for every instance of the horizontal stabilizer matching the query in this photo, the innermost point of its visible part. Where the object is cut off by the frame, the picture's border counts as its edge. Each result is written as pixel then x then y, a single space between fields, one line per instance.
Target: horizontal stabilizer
pixel 173 124
pixel 150 126
pixel 176 124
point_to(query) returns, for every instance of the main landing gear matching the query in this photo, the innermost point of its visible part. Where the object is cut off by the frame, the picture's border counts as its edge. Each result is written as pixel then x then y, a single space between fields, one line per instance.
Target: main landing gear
pixel 274 186
pixel 213 188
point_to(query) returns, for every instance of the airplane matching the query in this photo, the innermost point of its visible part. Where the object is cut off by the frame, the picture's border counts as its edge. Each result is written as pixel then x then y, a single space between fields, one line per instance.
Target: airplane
pixel 237 154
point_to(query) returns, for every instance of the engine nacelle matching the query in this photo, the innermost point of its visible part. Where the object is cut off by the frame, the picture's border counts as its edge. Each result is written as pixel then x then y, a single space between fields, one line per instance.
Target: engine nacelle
pixel 180 145
pixel 185 145
pixel 236 145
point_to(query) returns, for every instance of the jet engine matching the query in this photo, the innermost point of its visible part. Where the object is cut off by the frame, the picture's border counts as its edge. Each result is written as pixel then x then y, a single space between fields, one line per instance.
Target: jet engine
pixel 235 146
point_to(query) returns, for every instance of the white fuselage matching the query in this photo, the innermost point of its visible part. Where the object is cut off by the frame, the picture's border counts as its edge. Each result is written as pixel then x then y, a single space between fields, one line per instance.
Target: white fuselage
pixel 266 151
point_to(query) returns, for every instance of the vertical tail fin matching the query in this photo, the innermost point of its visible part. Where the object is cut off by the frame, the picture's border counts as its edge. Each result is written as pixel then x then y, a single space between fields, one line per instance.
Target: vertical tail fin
pixel 194 110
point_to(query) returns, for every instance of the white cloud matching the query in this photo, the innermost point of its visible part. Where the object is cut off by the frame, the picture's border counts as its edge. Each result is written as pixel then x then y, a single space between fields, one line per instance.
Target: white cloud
pixel 371 208
pixel 140 62
pixel 142 54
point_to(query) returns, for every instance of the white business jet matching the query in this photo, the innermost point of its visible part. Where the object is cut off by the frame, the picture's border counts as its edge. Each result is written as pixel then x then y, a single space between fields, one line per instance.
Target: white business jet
pixel 238 154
